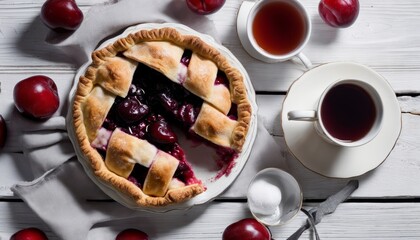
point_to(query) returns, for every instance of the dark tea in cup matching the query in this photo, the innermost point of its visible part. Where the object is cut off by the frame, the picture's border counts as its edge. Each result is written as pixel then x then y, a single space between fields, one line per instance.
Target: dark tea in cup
pixel 279 27
pixel 274 30
pixel 348 112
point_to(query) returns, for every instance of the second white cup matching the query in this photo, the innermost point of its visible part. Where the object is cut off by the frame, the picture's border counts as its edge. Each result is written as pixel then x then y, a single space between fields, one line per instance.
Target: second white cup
pixel 349 113
pixel 277 31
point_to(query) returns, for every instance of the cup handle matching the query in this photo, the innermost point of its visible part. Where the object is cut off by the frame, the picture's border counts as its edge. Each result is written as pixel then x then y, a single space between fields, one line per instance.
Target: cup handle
pixel 299 115
pixel 305 60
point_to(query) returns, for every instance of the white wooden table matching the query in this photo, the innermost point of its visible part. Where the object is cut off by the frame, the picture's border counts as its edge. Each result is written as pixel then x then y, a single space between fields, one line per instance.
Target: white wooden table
pixel 385 37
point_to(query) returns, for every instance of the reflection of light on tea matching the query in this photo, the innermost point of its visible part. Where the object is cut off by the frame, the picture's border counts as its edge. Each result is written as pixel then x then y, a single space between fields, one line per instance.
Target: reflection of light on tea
pixel 264 200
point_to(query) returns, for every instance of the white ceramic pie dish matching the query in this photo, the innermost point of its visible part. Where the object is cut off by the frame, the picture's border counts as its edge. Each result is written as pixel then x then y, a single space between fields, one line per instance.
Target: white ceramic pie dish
pixel 206 172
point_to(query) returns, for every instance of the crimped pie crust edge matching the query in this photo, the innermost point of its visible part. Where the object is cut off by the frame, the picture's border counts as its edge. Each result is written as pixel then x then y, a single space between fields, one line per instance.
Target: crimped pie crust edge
pixel 85 85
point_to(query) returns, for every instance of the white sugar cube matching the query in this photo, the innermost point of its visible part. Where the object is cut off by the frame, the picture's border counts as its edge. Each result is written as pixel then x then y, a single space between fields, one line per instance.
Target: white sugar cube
pixel 264 198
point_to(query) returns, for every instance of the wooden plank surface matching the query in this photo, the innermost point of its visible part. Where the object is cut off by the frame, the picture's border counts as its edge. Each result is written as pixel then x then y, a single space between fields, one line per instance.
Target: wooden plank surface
pixel 349 221
pixel 385 37
pixel 396 177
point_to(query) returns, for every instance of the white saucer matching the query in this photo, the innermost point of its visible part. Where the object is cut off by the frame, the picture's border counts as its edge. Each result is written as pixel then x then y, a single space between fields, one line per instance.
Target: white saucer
pixel 313 151
pixel 241 26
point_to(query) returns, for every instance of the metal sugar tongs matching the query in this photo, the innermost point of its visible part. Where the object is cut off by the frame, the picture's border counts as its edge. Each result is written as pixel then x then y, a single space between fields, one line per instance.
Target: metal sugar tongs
pixel 315 214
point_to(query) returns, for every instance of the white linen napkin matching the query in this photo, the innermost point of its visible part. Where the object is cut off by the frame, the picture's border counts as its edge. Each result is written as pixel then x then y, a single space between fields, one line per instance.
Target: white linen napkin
pixel 61 191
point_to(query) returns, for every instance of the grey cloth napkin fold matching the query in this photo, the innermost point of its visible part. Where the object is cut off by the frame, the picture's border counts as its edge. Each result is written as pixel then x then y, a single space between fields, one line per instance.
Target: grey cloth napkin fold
pixel 45 143
pixel 59 197
pixel 103 21
pixel 39 145
pixel 60 191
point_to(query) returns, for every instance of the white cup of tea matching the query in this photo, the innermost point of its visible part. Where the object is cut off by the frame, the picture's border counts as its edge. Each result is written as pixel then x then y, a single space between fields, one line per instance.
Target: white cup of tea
pixel 274 30
pixel 349 113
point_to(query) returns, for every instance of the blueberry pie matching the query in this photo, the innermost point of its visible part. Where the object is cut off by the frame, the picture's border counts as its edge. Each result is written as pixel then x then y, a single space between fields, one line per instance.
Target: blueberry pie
pixel 142 91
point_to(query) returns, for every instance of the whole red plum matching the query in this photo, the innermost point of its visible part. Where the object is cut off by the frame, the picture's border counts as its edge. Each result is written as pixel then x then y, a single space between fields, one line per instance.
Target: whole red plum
pixel 205 7
pixel 61 14
pixel 339 13
pixel 132 234
pixel 247 228
pixel 36 97
pixel 29 234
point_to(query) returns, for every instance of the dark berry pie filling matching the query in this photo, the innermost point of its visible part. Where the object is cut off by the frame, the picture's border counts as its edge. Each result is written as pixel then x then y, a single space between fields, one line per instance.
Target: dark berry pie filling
pixel 153 105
